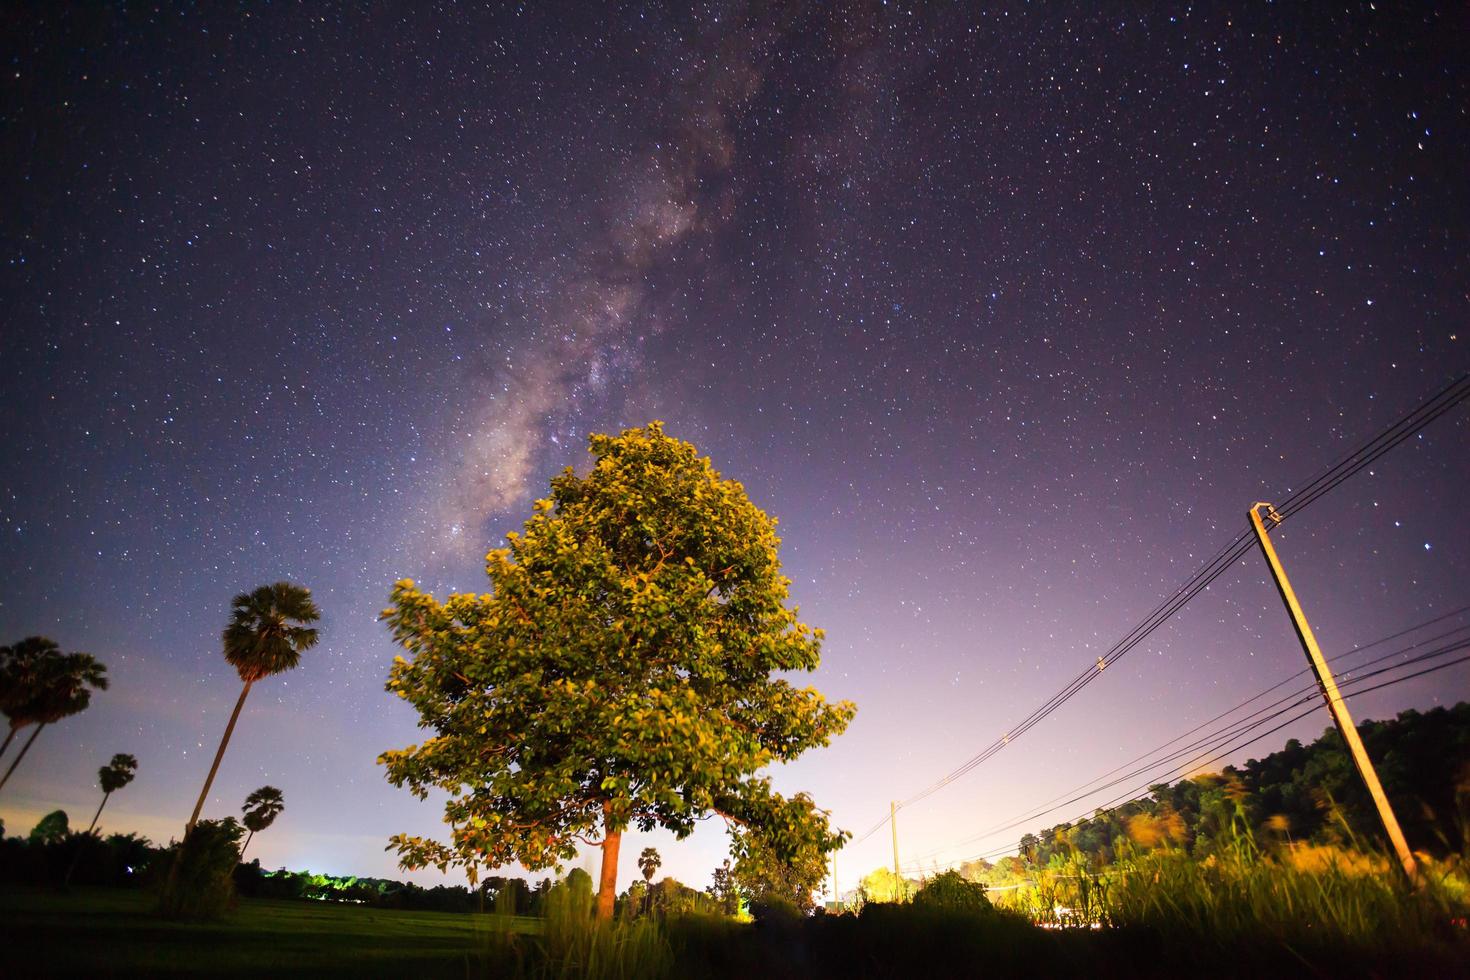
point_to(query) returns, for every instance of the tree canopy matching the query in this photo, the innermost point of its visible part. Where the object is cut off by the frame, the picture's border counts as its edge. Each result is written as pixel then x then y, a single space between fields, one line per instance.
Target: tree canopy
pixel 117 773
pixel 618 673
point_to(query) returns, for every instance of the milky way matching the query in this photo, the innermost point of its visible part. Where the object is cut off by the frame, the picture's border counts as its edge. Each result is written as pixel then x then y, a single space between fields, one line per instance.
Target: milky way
pixel 1007 315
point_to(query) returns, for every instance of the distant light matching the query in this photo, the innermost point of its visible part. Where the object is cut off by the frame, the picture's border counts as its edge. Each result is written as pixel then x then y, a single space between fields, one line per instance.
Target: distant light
pixel 1426 546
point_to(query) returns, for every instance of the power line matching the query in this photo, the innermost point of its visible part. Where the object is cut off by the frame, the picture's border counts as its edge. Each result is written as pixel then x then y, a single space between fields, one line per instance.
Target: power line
pixel 1328 479
pixel 1090 788
pixel 1308 696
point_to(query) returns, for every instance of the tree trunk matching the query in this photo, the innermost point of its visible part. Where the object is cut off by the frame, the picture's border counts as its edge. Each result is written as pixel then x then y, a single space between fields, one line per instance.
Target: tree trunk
pixel 8 738
pixel 93 824
pixel 77 857
pixel 607 889
pixel 229 730
pixel 26 748
pixel 245 845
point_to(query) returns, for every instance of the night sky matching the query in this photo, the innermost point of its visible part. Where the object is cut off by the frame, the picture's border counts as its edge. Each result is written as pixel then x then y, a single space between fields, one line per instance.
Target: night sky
pixel 1008 317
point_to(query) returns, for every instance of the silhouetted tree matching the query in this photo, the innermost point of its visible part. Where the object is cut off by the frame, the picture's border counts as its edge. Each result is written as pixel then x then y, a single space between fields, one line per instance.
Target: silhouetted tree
pixel 261 809
pixel 40 685
pixel 266 635
pixel 113 776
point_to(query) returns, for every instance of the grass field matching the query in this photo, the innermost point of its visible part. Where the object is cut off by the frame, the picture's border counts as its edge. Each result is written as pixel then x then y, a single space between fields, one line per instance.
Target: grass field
pixel 105 932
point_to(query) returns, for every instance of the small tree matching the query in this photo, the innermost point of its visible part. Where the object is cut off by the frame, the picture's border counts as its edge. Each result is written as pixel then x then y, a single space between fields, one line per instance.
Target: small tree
pixel 952 892
pixel 51 829
pixel 769 878
pixel 619 673
pixel 261 809
pixel 724 889
pixel 200 884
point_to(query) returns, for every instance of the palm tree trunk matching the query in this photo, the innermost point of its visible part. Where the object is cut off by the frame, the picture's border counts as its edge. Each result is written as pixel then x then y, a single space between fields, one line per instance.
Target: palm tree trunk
pixel 245 845
pixel 98 813
pixel 8 739
pixel 77 857
pixel 607 888
pixel 229 730
pixel 23 750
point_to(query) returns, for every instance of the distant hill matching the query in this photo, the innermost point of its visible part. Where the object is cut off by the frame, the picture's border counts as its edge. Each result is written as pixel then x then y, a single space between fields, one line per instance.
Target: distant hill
pixel 1301 793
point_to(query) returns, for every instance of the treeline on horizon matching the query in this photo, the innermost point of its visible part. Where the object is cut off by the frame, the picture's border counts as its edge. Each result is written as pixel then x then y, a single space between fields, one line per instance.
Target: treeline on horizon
pixel 52 849
pixel 1301 794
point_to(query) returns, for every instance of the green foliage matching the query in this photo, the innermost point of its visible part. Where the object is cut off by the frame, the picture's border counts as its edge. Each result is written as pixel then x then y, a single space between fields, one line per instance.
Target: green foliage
pixel 618 674
pixel 951 892
pixel 1308 793
pixel 201 885
pixel 766 878
pixel 267 632
pixel 575 945
pixel 117 773
pixel 724 889
pixel 51 828
pixel 1241 895
pixel 882 885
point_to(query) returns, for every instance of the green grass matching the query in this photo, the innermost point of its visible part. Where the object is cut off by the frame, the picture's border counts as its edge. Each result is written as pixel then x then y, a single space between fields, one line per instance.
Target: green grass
pixel 110 932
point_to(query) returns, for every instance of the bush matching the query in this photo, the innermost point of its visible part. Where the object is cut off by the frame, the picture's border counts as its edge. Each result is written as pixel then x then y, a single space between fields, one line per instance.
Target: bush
pixel 200 880
pixel 952 892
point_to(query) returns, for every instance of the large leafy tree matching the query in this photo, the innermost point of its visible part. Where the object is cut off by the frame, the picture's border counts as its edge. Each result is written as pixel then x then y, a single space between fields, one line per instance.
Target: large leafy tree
pixel 268 631
pixel 40 685
pixel 619 673
pixel 260 811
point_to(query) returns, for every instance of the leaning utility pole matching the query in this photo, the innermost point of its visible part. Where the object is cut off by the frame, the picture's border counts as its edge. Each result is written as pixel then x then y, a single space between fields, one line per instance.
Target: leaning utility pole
pixel 1328 687
pixel 893 824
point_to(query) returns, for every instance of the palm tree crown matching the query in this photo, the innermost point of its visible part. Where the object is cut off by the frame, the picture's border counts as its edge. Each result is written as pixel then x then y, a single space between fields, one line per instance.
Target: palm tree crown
pixel 39 685
pixel 67 685
pixel 267 631
pixel 262 807
pixel 117 773
pixel 649 862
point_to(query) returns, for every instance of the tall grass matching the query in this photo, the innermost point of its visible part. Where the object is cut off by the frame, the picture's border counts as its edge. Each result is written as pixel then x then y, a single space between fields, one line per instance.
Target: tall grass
pixel 1318 896
pixel 573 944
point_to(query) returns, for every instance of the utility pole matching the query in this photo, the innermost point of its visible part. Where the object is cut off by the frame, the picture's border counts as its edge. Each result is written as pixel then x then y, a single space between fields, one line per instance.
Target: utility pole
pixel 1328 687
pixel 836 890
pixel 898 888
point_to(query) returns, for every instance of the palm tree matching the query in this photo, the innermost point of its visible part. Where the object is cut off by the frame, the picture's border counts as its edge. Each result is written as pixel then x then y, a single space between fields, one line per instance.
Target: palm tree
pixel 648 863
pixel 20 665
pixel 39 685
pixel 266 635
pixel 261 809
pixel 113 777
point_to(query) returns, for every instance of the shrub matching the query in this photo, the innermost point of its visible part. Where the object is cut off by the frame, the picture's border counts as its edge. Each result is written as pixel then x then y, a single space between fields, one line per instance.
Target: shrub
pixel 200 881
pixel 951 892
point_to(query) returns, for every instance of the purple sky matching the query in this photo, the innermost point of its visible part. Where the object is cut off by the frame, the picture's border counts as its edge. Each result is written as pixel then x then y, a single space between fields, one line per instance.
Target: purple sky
pixel 1007 317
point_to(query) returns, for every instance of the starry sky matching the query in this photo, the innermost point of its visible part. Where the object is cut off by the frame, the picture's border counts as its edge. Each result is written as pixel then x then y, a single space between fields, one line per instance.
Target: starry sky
pixel 1007 315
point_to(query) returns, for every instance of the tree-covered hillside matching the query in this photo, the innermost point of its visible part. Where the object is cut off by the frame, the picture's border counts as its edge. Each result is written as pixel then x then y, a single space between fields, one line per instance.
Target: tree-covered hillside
pixel 1301 793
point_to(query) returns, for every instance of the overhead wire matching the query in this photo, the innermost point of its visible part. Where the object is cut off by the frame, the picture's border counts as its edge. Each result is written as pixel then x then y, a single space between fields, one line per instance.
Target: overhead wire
pixel 1324 482
pixel 1090 788
pixel 1218 747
